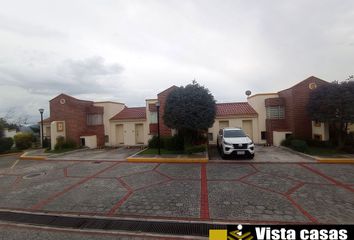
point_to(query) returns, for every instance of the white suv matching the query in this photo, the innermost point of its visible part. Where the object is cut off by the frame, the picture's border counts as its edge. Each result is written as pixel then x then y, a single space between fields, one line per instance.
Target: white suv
pixel 234 141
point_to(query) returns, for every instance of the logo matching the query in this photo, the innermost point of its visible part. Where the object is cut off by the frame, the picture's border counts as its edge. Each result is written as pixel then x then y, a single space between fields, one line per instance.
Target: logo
pixel 283 232
pixel 239 235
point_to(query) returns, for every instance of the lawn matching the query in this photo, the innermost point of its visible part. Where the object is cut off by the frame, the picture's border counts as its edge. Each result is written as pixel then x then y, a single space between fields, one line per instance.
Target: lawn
pixel 318 151
pixel 154 151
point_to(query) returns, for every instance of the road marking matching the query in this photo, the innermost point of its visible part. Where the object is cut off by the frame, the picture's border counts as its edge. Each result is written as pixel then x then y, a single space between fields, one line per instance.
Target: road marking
pixel 15 163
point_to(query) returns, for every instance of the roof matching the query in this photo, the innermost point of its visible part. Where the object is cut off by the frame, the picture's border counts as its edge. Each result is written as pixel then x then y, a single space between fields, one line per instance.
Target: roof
pixel 309 79
pixel 131 113
pixel 235 108
pixel 167 90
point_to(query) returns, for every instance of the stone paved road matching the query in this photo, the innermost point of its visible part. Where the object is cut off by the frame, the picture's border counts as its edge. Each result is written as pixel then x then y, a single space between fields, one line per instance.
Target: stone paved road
pixel 234 191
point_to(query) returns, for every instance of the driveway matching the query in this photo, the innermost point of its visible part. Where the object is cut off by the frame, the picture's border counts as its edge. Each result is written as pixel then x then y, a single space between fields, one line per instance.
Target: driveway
pixel 233 192
pixel 264 154
pixel 119 154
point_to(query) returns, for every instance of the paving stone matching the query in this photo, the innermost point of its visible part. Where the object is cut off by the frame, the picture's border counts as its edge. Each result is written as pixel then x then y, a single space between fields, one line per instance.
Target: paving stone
pixel 249 199
pixel 6 181
pixel 180 171
pixel 293 171
pixel 96 195
pixel 28 194
pixel 341 172
pixel 144 179
pixel 87 169
pixel 124 169
pixel 228 171
pixel 327 203
pixel 178 193
pixel 270 182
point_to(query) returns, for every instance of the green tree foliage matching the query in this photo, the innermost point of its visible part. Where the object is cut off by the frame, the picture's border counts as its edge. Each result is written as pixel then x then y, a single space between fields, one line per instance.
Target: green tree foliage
pixel 334 103
pixel 6 144
pixel 190 110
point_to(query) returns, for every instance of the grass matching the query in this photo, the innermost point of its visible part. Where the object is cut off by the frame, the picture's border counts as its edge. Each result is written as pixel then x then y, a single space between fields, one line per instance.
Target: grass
pixel 154 151
pixel 60 150
pixel 318 151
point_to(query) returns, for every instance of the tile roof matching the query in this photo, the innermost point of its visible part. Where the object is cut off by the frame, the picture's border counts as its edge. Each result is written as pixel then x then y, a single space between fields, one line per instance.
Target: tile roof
pixel 131 113
pixel 236 108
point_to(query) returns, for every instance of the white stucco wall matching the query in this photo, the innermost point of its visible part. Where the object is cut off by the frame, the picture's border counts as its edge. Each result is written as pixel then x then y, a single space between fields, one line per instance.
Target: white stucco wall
pixel 235 121
pixel 90 141
pixel 129 132
pixel 9 133
pixel 322 130
pixel 110 109
pixel 278 137
pixel 258 104
pixel 54 133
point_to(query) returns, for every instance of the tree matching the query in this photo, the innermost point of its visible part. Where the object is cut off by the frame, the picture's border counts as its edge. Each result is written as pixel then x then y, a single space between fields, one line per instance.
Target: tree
pixel 190 109
pixel 333 103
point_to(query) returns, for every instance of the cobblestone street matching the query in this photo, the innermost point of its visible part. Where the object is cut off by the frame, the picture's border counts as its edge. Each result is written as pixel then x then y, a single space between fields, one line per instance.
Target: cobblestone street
pixel 235 191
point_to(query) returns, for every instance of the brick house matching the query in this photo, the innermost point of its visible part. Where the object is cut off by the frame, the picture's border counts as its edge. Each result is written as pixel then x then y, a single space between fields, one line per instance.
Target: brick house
pixel 265 117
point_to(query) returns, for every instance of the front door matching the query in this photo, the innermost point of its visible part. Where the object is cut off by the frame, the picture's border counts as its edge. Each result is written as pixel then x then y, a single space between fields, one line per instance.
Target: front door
pixel 119 134
pixel 223 124
pixel 139 133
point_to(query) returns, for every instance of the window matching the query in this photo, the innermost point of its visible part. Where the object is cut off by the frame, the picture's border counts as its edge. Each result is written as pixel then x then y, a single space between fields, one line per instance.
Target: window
pixel 276 112
pixel 210 136
pixel 106 138
pixel 264 135
pixel 94 119
pixel 317 137
pixel 234 134
pixel 153 117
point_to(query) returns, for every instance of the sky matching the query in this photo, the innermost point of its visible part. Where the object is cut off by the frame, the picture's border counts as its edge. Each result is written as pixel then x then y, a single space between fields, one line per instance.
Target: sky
pixel 128 51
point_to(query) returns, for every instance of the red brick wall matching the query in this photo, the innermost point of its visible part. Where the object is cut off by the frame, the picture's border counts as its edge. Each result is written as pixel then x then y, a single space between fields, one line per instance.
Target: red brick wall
pixel 74 113
pixel 164 130
pixel 297 119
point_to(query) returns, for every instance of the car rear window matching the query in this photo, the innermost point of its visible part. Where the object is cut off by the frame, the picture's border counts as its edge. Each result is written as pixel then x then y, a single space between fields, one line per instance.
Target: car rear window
pixel 234 133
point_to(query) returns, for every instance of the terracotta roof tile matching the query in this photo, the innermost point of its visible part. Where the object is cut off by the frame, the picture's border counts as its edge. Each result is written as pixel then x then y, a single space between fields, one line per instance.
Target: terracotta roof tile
pixel 236 108
pixel 131 113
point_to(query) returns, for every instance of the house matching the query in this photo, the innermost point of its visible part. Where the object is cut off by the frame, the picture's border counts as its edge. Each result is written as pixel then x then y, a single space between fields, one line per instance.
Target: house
pixel 267 118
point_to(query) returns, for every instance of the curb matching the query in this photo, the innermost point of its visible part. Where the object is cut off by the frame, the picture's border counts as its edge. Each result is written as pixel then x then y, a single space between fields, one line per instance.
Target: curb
pixel 10 154
pixel 25 157
pixel 336 160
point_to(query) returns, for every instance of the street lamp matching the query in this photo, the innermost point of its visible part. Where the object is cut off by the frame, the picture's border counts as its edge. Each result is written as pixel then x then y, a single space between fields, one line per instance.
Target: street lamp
pixel 41 110
pixel 158 125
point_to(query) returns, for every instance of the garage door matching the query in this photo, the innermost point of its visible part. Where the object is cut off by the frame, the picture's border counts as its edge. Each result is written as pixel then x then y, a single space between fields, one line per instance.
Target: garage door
pixel 223 124
pixel 247 127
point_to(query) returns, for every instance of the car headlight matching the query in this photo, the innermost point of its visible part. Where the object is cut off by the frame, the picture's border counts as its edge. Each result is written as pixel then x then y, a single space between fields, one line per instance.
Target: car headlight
pixel 251 143
pixel 226 143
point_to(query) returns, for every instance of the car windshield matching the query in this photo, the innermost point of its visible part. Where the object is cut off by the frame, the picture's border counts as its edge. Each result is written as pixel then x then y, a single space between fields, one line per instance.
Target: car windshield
pixel 234 133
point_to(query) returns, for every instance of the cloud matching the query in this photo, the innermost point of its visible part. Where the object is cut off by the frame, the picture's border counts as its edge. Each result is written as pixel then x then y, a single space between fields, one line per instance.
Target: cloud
pixel 89 75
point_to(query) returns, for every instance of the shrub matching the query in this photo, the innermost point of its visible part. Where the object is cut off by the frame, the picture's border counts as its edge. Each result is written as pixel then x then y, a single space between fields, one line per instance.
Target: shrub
pixel 64 144
pixel 69 143
pixel 287 142
pixel 154 143
pixel 23 140
pixel 195 149
pixel 6 144
pixel 299 145
pixel 321 144
pixel 173 143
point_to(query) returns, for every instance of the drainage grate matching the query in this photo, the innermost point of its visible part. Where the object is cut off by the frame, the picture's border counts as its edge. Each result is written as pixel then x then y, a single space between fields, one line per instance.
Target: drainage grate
pixel 168 228
pixel 33 175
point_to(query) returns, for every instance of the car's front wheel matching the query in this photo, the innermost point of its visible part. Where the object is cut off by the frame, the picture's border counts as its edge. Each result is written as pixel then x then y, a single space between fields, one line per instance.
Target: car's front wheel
pixel 251 156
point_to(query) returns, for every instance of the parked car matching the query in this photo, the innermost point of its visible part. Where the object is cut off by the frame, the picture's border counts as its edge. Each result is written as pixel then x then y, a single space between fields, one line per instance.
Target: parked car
pixel 234 141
